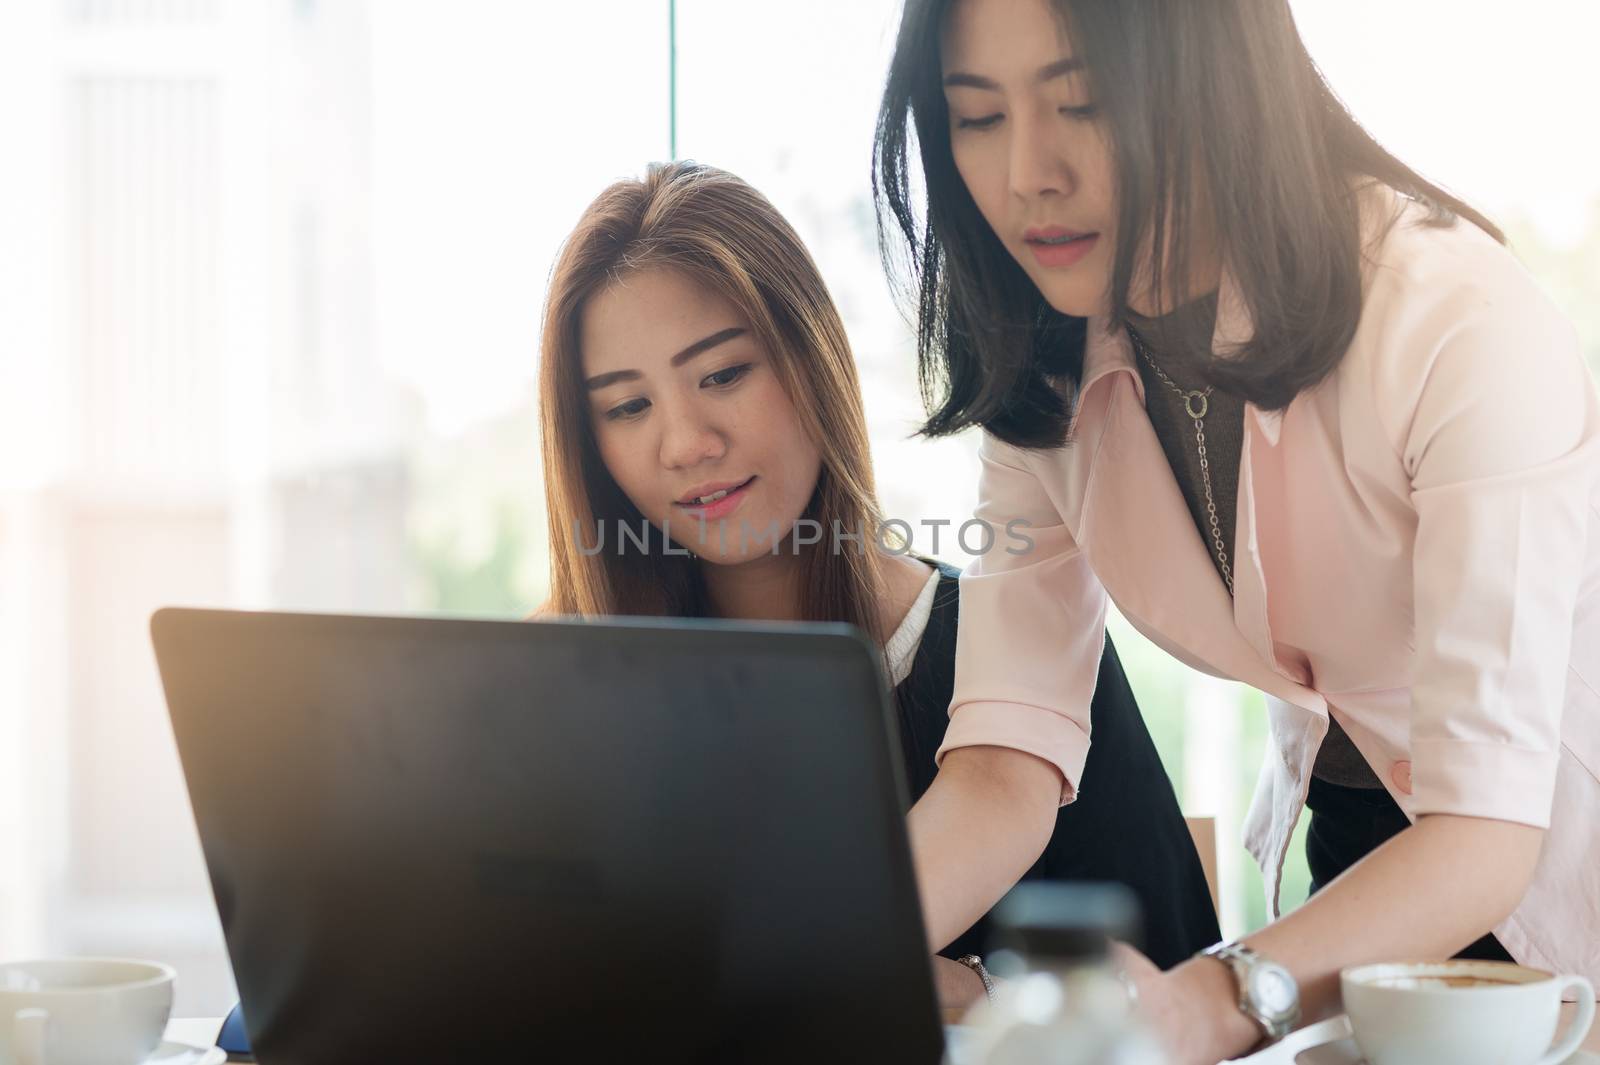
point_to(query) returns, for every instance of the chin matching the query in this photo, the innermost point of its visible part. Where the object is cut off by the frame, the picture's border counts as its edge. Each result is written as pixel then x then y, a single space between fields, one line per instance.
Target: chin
pixel 731 553
pixel 716 554
pixel 1081 290
pixel 1073 298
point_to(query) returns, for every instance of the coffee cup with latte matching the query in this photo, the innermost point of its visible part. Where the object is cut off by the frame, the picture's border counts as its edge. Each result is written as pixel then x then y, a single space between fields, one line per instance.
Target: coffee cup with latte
pixel 1462 1013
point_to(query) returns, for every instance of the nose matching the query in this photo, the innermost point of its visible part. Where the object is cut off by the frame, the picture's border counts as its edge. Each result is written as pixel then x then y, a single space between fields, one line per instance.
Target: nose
pixel 1038 165
pixel 688 439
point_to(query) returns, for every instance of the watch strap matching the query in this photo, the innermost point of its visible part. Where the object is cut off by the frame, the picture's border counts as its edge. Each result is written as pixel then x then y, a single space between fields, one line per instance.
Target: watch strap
pixel 1241 961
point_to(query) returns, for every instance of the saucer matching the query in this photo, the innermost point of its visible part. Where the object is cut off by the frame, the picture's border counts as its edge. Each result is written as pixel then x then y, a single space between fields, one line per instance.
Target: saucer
pixel 1331 1042
pixel 1345 1052
pixel 170 1053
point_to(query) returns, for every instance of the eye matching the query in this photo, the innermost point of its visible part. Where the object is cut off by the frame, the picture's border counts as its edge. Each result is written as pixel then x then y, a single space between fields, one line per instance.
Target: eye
pixel 1086 111
pixel 631 409
pixel 986 122
pixel 724 378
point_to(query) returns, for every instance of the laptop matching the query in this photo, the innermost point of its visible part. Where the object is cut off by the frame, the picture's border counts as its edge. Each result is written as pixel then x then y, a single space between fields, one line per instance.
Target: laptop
pixel 437 840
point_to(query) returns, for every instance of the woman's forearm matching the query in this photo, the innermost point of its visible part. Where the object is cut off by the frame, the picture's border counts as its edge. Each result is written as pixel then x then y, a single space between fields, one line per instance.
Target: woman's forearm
pixel 1427 893
pixel 984 820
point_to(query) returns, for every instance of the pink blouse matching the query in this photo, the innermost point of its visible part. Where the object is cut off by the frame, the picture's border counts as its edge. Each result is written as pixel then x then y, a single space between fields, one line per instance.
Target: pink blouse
pixel 1417 554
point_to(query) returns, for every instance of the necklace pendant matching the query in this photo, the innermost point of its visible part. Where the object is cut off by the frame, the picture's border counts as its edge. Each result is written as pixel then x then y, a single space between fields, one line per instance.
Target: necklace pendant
pixel 1196 404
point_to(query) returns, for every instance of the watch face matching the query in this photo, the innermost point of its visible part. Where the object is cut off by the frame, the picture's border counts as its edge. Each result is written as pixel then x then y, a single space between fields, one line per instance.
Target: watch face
pixel 1273 990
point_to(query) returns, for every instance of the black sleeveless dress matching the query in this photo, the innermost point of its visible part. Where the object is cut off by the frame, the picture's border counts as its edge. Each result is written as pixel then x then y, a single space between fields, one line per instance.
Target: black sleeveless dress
pixel 1125 825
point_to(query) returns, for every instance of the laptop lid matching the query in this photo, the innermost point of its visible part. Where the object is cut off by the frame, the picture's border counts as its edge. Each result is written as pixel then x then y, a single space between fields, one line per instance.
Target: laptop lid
pixel 440 839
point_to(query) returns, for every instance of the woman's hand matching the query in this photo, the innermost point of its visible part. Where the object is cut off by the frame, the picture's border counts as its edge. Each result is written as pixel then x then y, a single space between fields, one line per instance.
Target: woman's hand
pixel 1426 893
pixel 959 987
pixel 1192 1009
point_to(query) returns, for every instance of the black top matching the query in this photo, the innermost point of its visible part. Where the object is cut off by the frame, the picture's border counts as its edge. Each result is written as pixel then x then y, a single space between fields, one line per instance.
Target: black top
pixel 1224 422
pixel 1125 825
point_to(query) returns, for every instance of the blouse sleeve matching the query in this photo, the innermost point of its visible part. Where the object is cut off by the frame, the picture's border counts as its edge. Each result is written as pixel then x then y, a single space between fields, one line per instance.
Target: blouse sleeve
pixel 1031 630
pixel 1502 454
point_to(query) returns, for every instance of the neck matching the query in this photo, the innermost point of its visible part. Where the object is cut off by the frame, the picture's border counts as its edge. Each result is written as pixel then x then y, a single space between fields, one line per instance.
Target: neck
pixel 1201 302
pixel 1204 276
pixel 768 588
pixel 764 588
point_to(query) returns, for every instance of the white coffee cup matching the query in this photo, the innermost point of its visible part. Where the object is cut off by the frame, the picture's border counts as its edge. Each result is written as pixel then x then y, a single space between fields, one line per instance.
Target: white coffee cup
pixel 1462 1013
pixel 83 1011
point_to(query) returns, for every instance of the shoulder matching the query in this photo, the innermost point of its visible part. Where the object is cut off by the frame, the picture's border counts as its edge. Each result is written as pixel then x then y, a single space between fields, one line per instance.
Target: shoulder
pixel 1448 310
pixel 948 594
pixel 935 638
pixel 906 579
pixel 1424 282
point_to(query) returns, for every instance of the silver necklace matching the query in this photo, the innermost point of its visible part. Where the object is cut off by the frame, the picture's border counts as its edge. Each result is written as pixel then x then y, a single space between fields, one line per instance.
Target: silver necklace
pixel 1196 402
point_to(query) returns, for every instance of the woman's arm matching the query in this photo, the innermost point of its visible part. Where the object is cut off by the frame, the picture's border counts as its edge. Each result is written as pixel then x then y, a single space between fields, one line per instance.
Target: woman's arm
pixel 982 822
pixel 1426 893
pixel 1496 419
pixel 1029 639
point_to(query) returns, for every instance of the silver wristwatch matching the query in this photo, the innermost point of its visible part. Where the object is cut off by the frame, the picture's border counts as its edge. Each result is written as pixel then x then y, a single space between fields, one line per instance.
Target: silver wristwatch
pixel 1268 993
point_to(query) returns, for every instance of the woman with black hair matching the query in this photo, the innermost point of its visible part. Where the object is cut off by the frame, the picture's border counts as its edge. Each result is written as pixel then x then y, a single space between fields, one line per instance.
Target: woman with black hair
pixel 1306 420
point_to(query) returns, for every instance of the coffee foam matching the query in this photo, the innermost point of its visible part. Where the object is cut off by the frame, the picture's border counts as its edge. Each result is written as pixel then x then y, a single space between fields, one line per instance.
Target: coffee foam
pixel 1418 983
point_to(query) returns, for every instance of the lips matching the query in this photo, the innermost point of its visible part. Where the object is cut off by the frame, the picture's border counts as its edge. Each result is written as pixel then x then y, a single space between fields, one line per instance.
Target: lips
pixel 1057 246
pixel 715 500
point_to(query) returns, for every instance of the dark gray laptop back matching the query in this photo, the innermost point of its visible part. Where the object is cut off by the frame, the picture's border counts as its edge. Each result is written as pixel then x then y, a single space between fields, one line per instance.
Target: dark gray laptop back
pixel 446 840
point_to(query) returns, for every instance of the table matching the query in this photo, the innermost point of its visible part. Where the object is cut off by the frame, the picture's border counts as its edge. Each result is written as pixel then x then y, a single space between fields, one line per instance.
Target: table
pixel 202 1030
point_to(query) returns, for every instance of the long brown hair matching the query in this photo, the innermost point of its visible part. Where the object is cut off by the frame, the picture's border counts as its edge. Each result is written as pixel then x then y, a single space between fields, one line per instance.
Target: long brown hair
pixel 719 232
pixel 1216 113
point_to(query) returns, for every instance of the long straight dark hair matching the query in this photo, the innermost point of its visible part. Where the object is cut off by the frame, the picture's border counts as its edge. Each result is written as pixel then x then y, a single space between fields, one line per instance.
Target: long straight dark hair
pixel 1211 107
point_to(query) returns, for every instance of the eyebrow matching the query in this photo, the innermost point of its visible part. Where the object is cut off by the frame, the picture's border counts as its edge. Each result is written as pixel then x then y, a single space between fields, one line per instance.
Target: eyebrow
pixel 699 347
pixel 1060 68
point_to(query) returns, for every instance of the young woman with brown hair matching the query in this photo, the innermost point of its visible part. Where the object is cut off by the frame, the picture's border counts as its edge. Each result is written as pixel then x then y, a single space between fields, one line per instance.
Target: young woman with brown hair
pixel 700 412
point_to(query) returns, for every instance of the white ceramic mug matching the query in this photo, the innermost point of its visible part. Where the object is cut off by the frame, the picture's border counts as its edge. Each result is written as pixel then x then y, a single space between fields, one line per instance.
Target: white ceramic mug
pixel 1462 1013
pixel 83 1011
